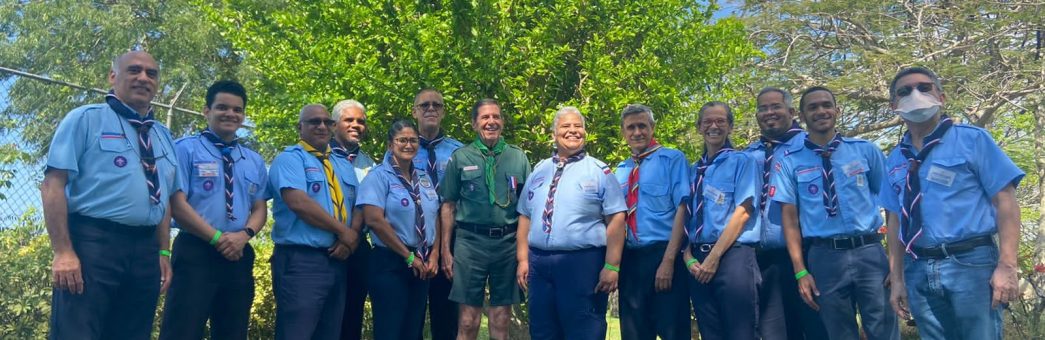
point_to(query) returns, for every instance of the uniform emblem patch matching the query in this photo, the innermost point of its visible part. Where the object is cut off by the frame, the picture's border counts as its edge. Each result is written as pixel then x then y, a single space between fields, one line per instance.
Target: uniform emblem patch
pixel 208 184
pixel 404 202
pixel 772 191
pixel 315 187
pixel 119 161
pixel 813 189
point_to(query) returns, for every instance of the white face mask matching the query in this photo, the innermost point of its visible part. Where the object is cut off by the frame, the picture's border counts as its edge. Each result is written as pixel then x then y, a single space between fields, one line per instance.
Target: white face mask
pixel 918 107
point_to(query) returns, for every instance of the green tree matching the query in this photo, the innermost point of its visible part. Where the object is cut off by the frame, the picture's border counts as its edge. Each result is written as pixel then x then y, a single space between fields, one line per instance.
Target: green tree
pixel 75 41
pixel 534 56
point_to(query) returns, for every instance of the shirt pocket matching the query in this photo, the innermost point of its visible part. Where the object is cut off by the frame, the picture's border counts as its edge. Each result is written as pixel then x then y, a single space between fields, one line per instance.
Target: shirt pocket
pixel 252 185
pixel 809 187
pixel 472 184
pixel 856 173
pixel 945 173
pixel 206 179
pixel 314 182
pixel 655 196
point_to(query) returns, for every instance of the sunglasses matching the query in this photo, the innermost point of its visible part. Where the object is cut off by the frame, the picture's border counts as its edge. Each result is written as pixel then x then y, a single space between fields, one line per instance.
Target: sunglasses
pixel 318 121
pixel 906 90
pixel 430 105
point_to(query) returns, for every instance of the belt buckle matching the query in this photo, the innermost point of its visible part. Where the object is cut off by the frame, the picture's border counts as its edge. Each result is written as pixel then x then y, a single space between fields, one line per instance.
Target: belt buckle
pixel 706 248
pixel 495 232
pixel 834 243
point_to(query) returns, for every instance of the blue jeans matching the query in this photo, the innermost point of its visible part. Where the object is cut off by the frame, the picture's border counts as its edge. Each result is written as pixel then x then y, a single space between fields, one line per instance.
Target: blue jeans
pixel 851 279
pixel 950 298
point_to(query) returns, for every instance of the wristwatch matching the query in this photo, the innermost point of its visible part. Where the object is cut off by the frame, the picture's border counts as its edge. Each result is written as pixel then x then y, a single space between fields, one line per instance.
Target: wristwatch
pixel 250 232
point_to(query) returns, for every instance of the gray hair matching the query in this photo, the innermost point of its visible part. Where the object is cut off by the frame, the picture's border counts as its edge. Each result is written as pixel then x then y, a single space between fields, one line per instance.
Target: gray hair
pixel 309 107
pixel 913 70
pixel 787 95
pixel 565 110
pixel 633 109
pixel 345 104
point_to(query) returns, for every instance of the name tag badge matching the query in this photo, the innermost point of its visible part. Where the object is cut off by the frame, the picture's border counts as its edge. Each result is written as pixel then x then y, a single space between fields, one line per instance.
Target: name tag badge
pixel 941 176
pixel 207 169
pixel 714 194
pixel 860 180
pixel 853 168
pixel 470 168
pixel 425 182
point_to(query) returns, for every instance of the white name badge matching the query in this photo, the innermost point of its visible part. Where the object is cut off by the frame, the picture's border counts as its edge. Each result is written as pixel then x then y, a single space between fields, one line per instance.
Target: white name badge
pixel 207 169
pixel 714 194
pixel 470 168
pixel 853 168
pixel 940 176
pixel 589 187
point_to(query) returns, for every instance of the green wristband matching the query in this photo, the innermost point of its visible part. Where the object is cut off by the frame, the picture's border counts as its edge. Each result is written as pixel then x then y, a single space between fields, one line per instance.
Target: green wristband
pixel 691 262
pixel 410 260
pixel 214 240
pixel 165 252
pixel 801 274
pixel 611 267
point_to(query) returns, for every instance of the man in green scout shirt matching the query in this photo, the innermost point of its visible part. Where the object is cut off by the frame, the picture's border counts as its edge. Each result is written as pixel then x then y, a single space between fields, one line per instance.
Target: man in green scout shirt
pixel 479 190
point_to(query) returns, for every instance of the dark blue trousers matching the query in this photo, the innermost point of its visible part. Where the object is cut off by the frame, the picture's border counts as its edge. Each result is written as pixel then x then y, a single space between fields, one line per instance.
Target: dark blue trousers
pixel 850 279
pixel 121 273
pixel 356 291
pixel 644 312
pixel 206 286
pixel 563 303
pixel 309 286
pixel 782 313
pixel 442 313
pixel 398 298
pixel 727 306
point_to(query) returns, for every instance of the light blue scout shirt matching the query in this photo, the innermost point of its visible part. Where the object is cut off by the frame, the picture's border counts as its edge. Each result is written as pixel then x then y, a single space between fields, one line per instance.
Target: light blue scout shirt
pixel 443 150
pixel 585 194
pixel 99 149
pixel 858 168
pixel 959 178
pixel 295 168
pixel 382 189
pixel 771 219
pixel 662 187
pixel 201 176
pixel 363 164
pixel 731 179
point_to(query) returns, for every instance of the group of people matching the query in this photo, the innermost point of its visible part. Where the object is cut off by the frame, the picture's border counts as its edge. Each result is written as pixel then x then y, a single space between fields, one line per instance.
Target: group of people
pixel 779 240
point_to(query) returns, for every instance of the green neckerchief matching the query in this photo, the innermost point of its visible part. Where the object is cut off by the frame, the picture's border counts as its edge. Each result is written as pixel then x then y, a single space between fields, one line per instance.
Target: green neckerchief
pixel 491 163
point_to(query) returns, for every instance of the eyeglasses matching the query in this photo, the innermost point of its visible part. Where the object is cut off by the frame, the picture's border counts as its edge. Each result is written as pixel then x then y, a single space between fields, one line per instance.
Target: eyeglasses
pixel 430 105
pixel 317 121
pixel 406 140
pixel 906 90
pixel 710 122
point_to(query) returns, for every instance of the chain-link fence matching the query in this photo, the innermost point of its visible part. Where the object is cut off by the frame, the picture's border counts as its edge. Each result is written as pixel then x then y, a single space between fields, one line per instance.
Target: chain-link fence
pixel 21 162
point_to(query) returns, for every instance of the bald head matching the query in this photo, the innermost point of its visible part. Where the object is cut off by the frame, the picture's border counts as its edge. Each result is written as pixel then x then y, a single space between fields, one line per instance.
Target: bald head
pixel 134 77
pixel 309 109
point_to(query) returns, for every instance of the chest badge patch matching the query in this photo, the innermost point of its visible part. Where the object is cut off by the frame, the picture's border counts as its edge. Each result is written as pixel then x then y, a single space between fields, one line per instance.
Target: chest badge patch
pixel 315 187
pixel 119 161
pixel 813 189
pixel 404 202
pixel 208 184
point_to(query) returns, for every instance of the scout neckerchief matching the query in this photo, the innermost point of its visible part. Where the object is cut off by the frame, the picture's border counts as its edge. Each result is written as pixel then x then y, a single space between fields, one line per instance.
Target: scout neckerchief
pixel 549 205
pixel 336 197
pixel 632 198
pixel 343 152
pixel 911 226
pixel 770 144
pixel 491 167
pixel 827 171
pixel 412 186
pixel 430 145
pixel 142 125
pixel 697 187
pixel 227 162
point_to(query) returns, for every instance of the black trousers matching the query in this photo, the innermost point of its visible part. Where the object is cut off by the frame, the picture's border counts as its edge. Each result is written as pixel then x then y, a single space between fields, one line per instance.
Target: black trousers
pixel 309 286
pixel 727 306
pixel 644 312
pixel 442 313
pixel 356 291
pixel 398 297
pixel 782 313
pixel 121 273
pixel 206 286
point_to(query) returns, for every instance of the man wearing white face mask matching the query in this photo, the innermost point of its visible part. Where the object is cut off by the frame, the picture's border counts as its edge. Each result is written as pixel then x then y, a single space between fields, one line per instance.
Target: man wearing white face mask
pixel 949 190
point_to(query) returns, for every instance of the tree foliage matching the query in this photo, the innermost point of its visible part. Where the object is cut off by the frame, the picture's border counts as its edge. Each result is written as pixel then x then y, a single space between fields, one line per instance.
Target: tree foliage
pixel 533 56
pixel 75 41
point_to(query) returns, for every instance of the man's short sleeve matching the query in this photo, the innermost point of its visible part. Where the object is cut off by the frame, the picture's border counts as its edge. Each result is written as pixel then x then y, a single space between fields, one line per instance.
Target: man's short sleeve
pixel 993 168
pixel 263 193
pixel 69 142
pixel 679 180
pixel 888 198
pixel 184 172
pixel 373 191
pixel 287 172
pixel 782 183
pixel 450 184
pixel 613 197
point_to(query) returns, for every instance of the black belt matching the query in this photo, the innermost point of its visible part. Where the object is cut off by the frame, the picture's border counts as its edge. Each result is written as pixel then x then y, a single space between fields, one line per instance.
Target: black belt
pixel 844 243
pixel 953 248
pixel 493 231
